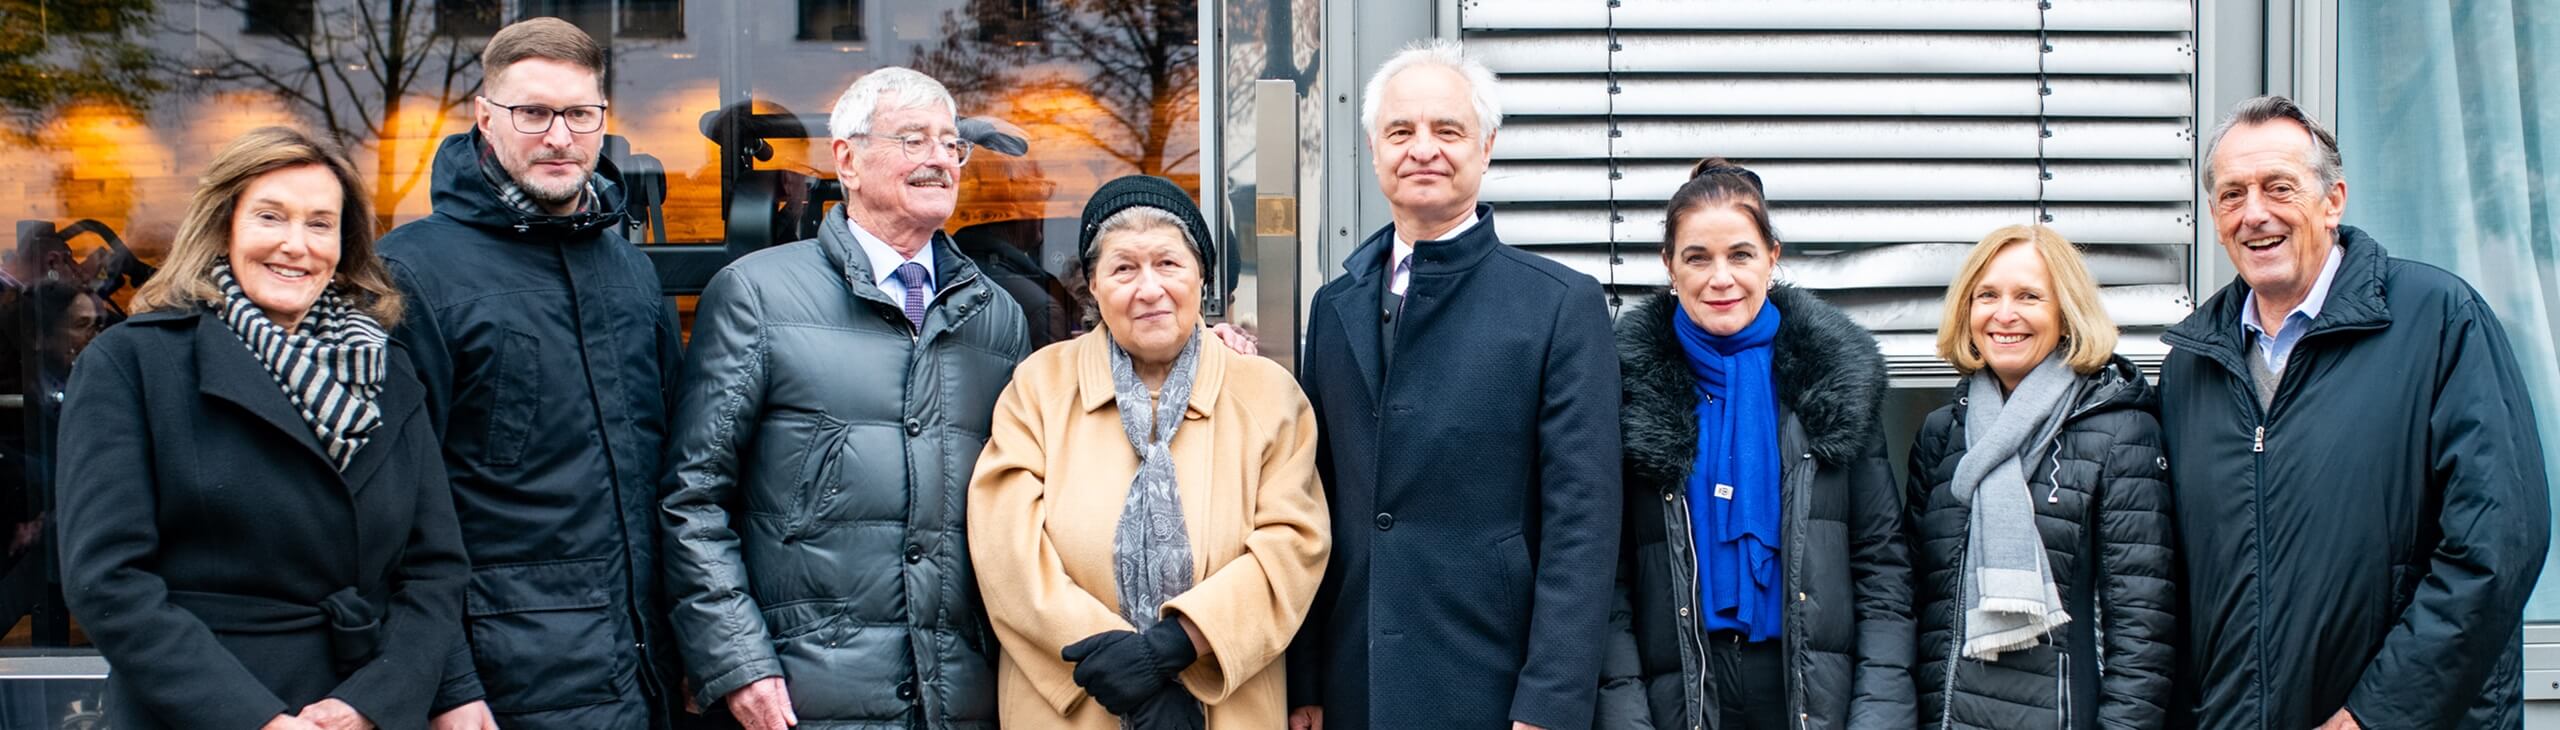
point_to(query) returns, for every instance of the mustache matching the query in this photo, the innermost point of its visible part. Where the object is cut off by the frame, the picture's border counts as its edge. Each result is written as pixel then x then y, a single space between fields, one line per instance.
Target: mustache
pixel 930 175
pixel 571 154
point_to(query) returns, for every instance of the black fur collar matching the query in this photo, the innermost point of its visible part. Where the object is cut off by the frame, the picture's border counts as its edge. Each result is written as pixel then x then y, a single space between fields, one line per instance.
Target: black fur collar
pixel 1830 377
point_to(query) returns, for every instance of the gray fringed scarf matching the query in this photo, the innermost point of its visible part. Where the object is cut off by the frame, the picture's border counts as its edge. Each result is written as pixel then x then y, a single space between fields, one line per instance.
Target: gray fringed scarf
pixel 1151 551
pixel 331 369
pixel 2009 594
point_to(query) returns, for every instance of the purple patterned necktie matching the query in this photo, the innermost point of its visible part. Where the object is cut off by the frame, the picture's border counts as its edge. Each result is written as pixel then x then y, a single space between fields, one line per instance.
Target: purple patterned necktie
pixel 911 275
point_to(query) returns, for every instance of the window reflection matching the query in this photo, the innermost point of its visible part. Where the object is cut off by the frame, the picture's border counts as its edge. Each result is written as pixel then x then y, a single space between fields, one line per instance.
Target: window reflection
pixel 831 20
pixel 281 18
pixel 471 18
pixel 718 123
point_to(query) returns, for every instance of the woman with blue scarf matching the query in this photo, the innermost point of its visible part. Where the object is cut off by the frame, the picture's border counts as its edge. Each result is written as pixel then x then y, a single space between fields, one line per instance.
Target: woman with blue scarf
pixel 2044 556
pixel 1763 572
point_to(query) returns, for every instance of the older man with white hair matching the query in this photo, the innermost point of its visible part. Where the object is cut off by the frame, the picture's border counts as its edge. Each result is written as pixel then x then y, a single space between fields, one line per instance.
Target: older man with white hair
pixel 838 392
pixel 1469 446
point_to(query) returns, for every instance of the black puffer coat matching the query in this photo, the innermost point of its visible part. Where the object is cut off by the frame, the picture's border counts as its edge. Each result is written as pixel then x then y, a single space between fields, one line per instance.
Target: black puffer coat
pixel 1848 616
pixel 549 358
pixel 814 512
pixel 2102 506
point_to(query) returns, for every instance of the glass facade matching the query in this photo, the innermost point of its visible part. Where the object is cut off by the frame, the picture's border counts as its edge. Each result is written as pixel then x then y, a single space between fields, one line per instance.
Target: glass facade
pixel 109 109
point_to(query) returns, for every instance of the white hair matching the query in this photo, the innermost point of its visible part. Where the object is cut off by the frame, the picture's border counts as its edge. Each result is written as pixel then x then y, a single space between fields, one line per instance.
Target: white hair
pixel 909 88
pixel 1443 53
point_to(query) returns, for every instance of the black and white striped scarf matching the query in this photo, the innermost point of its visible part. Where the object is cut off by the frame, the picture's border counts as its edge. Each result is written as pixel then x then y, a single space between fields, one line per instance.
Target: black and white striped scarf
pixel 332 368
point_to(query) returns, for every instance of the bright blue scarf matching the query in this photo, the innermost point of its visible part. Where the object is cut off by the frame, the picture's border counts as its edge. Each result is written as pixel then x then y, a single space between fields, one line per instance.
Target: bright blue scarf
pixel 1734 484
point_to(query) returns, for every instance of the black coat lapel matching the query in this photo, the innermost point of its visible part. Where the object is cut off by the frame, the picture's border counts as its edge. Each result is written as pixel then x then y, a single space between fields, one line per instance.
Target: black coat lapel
pixel 227 370
pixel 401 399
pixel 1358 313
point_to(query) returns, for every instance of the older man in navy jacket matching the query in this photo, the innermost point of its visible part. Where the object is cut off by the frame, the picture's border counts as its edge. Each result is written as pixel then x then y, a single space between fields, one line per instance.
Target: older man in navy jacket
pixel 2361 497
pixel 1469 397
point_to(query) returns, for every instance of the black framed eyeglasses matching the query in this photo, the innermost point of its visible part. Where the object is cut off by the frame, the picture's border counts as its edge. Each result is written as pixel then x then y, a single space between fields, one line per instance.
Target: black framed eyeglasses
pixel 537 119
pixel 920 148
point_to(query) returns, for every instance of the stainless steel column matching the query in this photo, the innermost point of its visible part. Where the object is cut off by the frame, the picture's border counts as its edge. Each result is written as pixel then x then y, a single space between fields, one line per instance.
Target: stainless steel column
pixel 1275 219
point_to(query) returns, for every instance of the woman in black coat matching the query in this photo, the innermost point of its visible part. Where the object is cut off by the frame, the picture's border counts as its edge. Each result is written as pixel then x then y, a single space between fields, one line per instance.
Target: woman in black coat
pixel 2051 448
pixel 1763 581
pixel 255 524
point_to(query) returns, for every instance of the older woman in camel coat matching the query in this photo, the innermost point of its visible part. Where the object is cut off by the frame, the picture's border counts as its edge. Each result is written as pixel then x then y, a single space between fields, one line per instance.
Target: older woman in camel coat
pixel 1146 522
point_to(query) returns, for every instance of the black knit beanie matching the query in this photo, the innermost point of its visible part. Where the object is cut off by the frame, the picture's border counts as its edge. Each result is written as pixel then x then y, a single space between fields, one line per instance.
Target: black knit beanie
pixel 1152 192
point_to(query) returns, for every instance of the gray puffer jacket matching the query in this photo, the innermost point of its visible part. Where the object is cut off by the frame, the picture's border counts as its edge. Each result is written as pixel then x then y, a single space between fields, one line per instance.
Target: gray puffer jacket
pixel 2103 508
pixel 813 514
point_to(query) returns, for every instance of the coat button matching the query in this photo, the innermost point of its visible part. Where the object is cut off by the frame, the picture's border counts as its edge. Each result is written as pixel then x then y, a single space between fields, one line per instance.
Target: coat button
pixel 906 690
pixel 915 427
pixel 915 554
pixel 1684 611
pixel 1386 522
pixel 1800 596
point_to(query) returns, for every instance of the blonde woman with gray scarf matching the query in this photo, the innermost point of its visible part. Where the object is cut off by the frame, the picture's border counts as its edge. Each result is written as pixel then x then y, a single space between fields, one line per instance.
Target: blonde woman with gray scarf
pixel 2041 532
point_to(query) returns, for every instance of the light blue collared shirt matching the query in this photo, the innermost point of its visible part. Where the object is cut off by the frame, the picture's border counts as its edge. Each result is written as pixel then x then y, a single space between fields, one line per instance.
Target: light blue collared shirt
pixel 2275 348
pixel 885 262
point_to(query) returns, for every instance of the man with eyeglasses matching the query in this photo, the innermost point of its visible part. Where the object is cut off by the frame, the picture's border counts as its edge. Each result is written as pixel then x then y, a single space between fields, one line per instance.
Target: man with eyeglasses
pixel 838 390
pixel 550 363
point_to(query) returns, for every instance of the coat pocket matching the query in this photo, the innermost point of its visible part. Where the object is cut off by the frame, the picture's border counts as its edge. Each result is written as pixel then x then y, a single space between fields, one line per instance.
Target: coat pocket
pixel 517 394
pixel 544 635
pixel 816 481
pixel 1519 581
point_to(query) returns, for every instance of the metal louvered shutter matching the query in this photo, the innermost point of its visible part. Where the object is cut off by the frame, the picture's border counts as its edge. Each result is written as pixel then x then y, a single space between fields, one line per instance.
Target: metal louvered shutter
pixel 1890 135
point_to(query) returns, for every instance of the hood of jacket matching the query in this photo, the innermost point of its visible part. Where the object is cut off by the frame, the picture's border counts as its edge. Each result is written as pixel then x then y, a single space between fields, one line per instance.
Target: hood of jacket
pixel 464 193
pixel 1830 376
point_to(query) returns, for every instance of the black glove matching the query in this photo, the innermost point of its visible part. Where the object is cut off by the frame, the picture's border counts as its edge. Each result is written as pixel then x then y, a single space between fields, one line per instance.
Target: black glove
pixel 1173 708
pixel 1123 669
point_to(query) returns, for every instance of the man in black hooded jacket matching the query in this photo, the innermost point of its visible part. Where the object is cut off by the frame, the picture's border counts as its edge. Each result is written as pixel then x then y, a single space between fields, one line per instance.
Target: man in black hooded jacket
pixel 2360 485
pixel 550 363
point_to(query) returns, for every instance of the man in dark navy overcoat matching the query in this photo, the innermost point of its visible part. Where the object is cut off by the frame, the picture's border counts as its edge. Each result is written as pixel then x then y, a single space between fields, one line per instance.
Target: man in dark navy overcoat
pixel 1469 398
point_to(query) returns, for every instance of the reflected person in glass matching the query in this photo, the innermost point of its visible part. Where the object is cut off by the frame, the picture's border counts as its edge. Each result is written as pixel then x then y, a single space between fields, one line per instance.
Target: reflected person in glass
pixel 256 526
pixel 1146 520
pixel 1763 574
pixel 2043 547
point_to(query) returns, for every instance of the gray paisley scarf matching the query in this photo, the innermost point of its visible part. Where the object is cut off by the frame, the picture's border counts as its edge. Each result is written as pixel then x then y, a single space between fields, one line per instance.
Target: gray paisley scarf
pixel 332 368
pixel 1151 551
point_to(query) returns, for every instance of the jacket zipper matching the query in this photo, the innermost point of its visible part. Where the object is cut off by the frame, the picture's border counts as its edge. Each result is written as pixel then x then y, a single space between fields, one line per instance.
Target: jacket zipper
pixel 924 671
pixel 1689 624
pixel 1795 568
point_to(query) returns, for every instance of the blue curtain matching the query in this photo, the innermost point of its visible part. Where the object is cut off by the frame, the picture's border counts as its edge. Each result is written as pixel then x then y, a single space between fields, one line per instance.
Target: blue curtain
pixel 2452 143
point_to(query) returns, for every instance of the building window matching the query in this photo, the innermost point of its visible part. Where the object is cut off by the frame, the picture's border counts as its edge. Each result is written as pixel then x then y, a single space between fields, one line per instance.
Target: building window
pixel 831 20
pixel 277 18
pixel 467 18
pixel 652 19
pixel 1010 22
pixel 593 16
